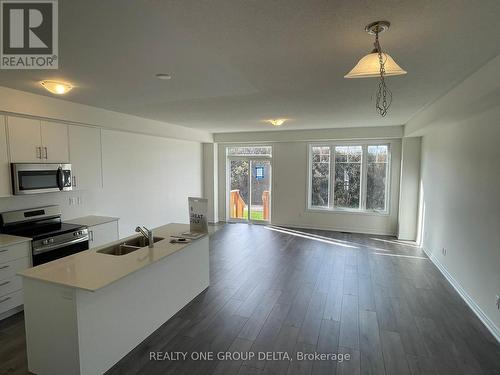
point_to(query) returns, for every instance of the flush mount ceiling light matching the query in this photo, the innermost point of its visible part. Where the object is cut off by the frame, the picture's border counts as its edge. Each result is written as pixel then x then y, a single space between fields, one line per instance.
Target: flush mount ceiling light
pixel 163 76
pixel 55 87
pixel 378 64
pixel 277 121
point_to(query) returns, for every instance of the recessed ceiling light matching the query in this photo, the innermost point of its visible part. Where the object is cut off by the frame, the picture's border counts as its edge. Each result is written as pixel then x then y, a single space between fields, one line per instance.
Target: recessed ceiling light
pixel 277 121
pixel 163 76
pixel 56 87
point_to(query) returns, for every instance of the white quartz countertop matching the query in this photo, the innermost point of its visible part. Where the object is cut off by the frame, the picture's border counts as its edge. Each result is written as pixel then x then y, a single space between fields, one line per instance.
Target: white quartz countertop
pixel 91 270
pixel 7 240
pixel 92 220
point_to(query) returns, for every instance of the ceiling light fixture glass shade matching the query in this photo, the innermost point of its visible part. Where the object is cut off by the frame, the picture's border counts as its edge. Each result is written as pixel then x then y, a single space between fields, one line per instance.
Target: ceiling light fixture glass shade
pixel 55 87
pixel 277 122
pixel 379 64
pixel 369 66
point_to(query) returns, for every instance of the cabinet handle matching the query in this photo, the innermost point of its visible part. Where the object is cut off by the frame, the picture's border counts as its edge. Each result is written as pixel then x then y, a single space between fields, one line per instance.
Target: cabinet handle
pixel 74 181
pixel 38 152
pixel 4 267
pixel 5 299
pixel 5 283
pixel 46 153
pixel 4 250
pixel 91 233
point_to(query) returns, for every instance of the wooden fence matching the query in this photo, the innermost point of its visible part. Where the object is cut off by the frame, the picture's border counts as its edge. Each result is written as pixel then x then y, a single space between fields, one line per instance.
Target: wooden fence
pixel 237 205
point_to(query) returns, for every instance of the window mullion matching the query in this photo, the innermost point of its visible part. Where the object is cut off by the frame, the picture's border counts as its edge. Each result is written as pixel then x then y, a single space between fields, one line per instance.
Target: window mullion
pixel 331 203
pixel 310 174
pixel 364 174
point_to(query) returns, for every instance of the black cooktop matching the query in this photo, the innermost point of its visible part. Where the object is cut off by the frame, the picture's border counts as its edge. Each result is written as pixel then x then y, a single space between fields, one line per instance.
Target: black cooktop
pixel 39 231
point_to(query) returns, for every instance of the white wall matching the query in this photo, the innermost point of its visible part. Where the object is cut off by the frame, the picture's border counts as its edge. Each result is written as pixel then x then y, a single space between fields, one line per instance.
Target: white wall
pixel 289 198
pixel 27 104
pixel 460 195
pixel 62 199
pixel 210 180
pixel 409 189
pixel 147 180
pixel 372 132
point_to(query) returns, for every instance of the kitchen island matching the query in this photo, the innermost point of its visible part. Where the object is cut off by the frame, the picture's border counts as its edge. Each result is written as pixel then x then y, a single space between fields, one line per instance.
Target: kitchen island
pixel 85 312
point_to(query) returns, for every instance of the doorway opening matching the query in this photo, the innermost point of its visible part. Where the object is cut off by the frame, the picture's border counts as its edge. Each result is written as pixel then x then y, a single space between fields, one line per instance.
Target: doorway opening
pixel 249 179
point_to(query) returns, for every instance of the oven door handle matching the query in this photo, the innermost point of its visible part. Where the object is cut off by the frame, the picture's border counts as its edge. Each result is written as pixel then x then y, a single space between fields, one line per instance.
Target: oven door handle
pixel 60 245
pixel 59 176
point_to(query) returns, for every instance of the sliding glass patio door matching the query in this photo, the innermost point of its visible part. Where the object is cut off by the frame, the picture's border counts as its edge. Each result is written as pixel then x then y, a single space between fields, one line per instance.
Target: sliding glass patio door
pixel 249 189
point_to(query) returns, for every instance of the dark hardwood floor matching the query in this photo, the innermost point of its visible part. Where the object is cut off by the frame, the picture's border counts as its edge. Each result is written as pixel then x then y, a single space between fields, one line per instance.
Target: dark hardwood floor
pixel 303 291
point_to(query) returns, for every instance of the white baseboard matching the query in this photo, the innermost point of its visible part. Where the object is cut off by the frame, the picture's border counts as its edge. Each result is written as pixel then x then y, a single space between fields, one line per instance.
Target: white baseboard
pixel 407 236
pixel 336 229
pixel 465 296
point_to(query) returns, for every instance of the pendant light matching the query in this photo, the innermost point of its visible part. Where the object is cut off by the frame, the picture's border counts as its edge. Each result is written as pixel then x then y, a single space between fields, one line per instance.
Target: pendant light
pixel 379 64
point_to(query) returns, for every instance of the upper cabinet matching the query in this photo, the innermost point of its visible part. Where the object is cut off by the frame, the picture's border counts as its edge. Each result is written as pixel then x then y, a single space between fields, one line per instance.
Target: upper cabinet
pixel 85 157
pixel 25 144
pixel 4 161
pixel 28 140
pixel 55 142
pixel 37 141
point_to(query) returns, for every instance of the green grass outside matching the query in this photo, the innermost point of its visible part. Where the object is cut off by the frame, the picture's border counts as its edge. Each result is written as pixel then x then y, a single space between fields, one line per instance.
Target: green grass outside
pixel 255 215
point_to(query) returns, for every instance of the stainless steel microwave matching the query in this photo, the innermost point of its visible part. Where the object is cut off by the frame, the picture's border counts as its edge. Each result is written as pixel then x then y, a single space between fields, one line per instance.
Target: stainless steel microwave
pixel 37 178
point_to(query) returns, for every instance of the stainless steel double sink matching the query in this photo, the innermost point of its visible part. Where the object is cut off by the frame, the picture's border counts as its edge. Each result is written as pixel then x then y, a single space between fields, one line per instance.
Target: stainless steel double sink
pixel 129 246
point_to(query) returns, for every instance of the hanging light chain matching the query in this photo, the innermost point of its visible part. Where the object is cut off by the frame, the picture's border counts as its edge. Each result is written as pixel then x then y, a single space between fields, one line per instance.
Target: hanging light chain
pixel 384 95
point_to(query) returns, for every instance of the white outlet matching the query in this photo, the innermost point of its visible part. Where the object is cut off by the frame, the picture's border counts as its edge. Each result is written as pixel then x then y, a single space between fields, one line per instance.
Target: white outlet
pixel 498 301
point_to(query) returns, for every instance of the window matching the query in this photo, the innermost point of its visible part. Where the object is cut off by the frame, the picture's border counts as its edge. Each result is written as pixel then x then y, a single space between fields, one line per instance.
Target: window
pixel 376 177
pixel 349 176
pixel 249 151
pixel 347 188
pixel 320 181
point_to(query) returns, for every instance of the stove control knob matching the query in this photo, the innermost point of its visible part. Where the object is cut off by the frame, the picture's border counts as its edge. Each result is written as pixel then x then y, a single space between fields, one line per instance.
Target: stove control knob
pixel 45 242
pixel 80 232
pixel 51 240
pixel 75 234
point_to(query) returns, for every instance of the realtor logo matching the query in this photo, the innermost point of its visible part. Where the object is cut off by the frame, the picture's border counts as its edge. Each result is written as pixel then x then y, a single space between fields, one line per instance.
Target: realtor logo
pixel 29 34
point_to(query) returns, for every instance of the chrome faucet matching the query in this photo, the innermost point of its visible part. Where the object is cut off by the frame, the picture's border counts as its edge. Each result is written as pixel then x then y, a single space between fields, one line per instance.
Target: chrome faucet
pixel 148 233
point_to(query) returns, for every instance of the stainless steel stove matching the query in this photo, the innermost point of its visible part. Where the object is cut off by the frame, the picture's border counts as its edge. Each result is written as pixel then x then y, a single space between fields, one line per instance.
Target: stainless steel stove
pixel 52 239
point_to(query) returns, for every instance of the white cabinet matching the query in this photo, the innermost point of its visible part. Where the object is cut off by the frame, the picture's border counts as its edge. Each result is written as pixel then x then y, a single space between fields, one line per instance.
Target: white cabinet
pixel 13 258
pixel 25 144
pixel 85 157
pixel 103 233
pixel 37 141
pixel 4 161
pixel 55 142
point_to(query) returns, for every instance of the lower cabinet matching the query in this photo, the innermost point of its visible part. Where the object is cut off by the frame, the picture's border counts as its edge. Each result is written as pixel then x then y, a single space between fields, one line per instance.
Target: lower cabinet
pixel 102 234
pixel 13 258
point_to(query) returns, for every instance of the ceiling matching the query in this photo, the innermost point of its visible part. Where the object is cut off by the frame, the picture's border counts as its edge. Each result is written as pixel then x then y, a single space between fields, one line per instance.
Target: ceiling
pixel 237 62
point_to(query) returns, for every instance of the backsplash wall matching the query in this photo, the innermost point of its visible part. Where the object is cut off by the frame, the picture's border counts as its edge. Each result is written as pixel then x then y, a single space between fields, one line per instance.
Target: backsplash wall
pixel 86 207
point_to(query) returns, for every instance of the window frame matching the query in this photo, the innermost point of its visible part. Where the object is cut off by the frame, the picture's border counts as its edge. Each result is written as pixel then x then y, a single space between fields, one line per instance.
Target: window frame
pixel 363 180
